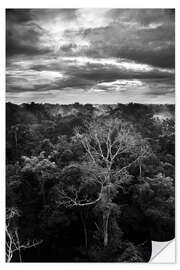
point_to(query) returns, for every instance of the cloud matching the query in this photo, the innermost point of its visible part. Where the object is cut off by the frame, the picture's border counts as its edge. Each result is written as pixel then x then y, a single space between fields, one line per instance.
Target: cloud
pixel 81 73
pixel 56 14
pixel 23 36
pixel 127 51
pixel 142 16
pixel 130 87
pixel 105 73
pixel 154 46
pixel 68 48
pixel 18 15
pixel 144 35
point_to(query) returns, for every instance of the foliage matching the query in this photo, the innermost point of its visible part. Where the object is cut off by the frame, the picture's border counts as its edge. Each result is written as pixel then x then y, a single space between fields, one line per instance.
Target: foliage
pixel 93 183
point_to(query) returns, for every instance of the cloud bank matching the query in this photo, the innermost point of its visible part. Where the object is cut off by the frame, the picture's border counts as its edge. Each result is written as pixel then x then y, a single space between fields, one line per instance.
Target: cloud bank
pixel 90 55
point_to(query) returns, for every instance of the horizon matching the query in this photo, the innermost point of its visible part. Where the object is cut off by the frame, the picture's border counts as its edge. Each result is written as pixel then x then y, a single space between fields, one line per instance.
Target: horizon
pixel 94 104
pixel 96 56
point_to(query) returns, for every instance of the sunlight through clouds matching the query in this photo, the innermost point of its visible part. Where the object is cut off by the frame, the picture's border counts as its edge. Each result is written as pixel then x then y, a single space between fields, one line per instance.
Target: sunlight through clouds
pixel 86 51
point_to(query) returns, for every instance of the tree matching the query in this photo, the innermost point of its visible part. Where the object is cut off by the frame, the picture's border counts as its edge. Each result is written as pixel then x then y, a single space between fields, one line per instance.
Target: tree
pixel 41 166
pixel 154 200
pixel 13 242
pixel 104 142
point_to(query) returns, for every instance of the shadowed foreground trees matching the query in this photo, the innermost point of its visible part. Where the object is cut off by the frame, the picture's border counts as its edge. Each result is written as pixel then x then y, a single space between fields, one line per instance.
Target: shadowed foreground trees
pixel 14 244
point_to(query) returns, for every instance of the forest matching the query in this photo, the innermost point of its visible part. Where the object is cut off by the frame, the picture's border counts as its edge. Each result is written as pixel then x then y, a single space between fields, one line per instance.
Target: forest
pixel 88 183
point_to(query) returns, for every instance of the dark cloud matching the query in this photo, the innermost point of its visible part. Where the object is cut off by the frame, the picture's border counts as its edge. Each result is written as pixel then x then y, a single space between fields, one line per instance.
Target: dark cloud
pixel 68 47
pixel 160 57
pixel 143 35
pixel 71 82
pixel 16 46
pixel 62 49
pixel 151 41
pixel 154 46
pixel 22 34
pixel 18 15
pixel 163 57
pixel 88 75
pixel 64 14
pixel 142 16
pixel 160 87
pixel 103 72
pixel 32 88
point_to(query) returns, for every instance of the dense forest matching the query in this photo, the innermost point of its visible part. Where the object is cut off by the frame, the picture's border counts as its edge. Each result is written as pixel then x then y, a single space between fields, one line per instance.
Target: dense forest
pixel 88 183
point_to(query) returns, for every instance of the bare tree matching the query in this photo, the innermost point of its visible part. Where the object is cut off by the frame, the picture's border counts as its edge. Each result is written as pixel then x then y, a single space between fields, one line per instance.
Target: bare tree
pixel 104 142
pixel 13 243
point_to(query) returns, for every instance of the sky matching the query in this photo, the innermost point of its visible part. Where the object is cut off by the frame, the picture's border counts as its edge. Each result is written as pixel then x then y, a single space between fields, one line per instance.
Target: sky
pixel 99 56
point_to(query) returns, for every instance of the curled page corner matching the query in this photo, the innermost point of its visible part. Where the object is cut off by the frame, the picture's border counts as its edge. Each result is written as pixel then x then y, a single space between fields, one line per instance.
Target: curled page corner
pixel 163 252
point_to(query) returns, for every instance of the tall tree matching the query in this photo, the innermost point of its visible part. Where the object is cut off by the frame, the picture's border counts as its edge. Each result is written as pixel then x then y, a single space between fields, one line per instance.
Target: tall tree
pixel 104 143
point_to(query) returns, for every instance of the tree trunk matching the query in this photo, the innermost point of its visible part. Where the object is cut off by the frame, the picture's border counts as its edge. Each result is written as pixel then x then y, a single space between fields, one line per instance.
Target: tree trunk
pixel 19 246
pixel 106 223
pixel 16 140
pixel 107 215
pixel 84 229
pixel 140 169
